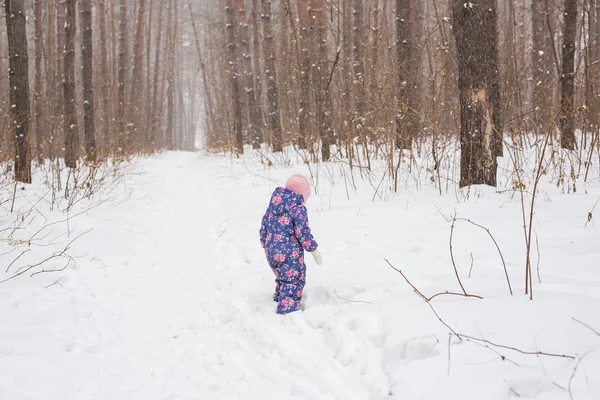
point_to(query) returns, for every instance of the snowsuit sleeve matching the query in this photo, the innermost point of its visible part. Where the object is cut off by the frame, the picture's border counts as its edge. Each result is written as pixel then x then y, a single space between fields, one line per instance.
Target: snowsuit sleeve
pixel 263 231
pixel 302 230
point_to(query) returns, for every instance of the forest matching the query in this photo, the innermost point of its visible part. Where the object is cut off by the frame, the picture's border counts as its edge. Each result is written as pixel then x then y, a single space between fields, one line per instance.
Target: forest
pixel 342 79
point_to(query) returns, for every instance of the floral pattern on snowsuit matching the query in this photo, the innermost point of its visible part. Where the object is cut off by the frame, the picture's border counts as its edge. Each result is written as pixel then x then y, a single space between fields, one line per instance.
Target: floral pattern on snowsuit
pixel 285 234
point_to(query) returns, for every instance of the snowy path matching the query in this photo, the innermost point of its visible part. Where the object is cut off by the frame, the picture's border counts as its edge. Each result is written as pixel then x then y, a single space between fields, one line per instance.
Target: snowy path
pixel 172 301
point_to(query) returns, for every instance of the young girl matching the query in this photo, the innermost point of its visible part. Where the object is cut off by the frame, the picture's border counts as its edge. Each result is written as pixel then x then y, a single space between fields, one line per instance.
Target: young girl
pixel 285 234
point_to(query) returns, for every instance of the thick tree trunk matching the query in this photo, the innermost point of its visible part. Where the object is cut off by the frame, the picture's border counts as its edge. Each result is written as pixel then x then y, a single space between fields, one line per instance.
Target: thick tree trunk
pixel 359 82
pixel 304 122
pixel 374 85
pixel 256 67
pixel 18 63
pixel 87 60
pixel 70 112
pixel 254 128
pixel 347 75
pixel 104 71
pixel 169 137
pixel 38 86
pixel 404 128
pixel 324 104
pixel 137 77
pixel 475 30
pixel 567 77
pixel 234 76
pixel 271 78
pixel 156 95
pixel 594 30
pixel 123 134
pixel 541 63
pixel 53 77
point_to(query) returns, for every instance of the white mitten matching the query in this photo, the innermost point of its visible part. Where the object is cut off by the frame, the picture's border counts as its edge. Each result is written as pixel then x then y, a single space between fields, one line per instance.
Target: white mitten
pixel 317 256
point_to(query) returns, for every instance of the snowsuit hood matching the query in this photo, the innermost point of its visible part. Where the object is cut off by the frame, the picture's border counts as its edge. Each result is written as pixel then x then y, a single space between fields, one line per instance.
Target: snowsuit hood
pixel 283 200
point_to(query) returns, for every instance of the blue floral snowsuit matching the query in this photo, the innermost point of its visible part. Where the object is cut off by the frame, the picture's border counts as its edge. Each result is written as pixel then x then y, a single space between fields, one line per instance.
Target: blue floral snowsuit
pixel 285 234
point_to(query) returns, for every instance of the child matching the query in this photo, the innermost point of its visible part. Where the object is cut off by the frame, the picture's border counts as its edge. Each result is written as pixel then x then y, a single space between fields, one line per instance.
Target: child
pixel 285 234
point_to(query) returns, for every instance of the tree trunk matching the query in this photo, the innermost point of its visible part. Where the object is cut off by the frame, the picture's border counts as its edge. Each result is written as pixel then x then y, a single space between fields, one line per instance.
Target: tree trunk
pixel 324 104
pixel 87 69
pixel 156 95
pixel 38 86
pixel 137 78
pixel 475 30
pixel 359 83
pixel 256 67
pixel 567 77
pixel 594 31
pixel 404 128
pixel 304 123
pixel 104 72
pixel 374 89
pixel 347 75
pixel 51 98
pixel 234 76
pixel 271 77
pixel 254 129
pixel 541 64
pixel 70 113
pixel 18 62
pixel 123 136
pixel 169 129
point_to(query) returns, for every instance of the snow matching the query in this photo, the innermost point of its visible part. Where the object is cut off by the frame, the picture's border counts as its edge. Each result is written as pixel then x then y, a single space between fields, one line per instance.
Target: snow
pixel 168 295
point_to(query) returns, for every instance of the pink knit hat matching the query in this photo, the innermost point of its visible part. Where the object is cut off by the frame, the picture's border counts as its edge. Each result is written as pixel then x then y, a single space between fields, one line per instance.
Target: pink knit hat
pixel 299 184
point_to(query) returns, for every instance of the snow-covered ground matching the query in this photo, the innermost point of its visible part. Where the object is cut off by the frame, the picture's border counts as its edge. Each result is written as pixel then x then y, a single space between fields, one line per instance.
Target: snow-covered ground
pixel 169 296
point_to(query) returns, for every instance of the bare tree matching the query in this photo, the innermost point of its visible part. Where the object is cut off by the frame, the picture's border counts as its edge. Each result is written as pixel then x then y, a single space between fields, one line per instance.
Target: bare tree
pixel 404 128
pixel 256 65
pixel 38 80
pixel 233 71
pixel 154 116
pixel 18 62
pixel 567 76
pixel 542 63
pixel 594 55
pixel 87 60
pixel 169 129
pixel 137 81
pixel 271 78
pixel 324 104
pixel 304 121
pixel 475 30
pixel 255 128
pixel 104 69
pixel 70 113
pixel 123 135
pixel 358 63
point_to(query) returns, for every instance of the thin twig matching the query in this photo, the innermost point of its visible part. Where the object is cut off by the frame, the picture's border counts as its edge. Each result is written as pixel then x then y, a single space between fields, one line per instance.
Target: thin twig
pixel 452 255
pixel 531 353
pixel 428 299
pixel 590 215
pixel 351 301
pixel 56 254
pixel 575 371
pixel 453 294
pixel 54 270
pixel 471 269
pixel 15 260
pixel 497 248
pixel 57 282
pixel 587 326
pixel 421 295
